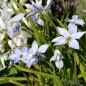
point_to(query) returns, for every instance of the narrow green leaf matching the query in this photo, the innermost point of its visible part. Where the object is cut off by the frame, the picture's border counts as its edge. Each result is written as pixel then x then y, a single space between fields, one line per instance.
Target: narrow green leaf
pixel 12 71
pixel 13 78
pixel 82 4
pixel 36 34
pixel 16 83
pixel 60 23
pixel 81 66
pixel 82 75
pixel 53 76
pixel 3 82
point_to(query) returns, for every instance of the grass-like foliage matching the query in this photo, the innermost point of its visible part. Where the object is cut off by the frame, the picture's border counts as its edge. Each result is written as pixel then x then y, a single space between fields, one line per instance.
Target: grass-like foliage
pixel 42 42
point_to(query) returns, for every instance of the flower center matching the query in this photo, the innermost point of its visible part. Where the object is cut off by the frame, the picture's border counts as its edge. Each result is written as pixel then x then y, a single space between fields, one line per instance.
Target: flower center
pixel 69 38
pixel 21 56
pixel 73 22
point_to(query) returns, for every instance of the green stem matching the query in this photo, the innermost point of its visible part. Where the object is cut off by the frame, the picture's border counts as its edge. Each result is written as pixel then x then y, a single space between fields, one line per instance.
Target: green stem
pixel 53 76
pixel 75 72
pixel 36 34
pixel 13 78
pixel 35 72
pixel 16 83
pixel 48 18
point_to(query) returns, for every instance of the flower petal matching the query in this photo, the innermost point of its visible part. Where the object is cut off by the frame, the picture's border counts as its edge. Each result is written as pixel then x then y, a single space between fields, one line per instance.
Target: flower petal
pixel 16 27
pixel 24 50
pixel 2 35
pixel 43 48
pixel 57 39
pixel 61 42
pixel 2 61
pixel 74 44
pixel 48 4
pixel 40 22
pixel 72 28
pixel 2 25
pixel 10 31
pixel 75 17
pixel 34 48
pixel 16 60
pixel 42 56
pixel 59 64
pixel 56 55
pixel 31 62
pixel 18 17
pixel 13 56
pixel 53 58
pixel 62 31
pixel 36 6
pixel 56 52
pixel 80 22
pixel 78 35
pixel 17 51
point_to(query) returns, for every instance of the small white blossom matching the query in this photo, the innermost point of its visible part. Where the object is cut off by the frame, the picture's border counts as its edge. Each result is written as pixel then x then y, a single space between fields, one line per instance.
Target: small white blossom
pixel 37 7
pixel 58 59
pixel 24 56
pixel 18 54
pixel 18 17
pixel 35 50
pixel 11 23
pixel 36 18
pixel 75 20
pixel 68 37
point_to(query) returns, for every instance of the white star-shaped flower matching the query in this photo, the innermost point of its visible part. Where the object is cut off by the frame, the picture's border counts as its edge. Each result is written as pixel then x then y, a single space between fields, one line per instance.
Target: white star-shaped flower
pixel 35 50
pixel 58 59
pixel 37 7
pixel 68 37
pixel 74 22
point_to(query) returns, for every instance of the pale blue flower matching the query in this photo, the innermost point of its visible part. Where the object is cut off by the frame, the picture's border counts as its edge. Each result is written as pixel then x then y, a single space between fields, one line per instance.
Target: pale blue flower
pixel 74 22
pixel 14 30
pixel 57 58
pixel 33 53
pixel 24 56
pixel 13 26
pixel 30 60
pixel 18 54
pixel 68 37
pixel 36 18
pixel 36 51
pixel 37 7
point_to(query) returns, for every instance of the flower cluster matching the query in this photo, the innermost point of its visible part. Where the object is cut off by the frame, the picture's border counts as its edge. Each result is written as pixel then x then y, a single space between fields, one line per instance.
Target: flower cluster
pixel 15 35
pixel 28 56
pixel 69 37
